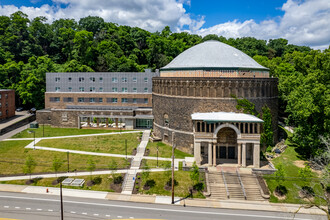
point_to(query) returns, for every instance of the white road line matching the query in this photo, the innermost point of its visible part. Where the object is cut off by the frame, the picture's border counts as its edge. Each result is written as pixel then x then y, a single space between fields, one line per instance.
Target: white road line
pixel 39 209
pixel 131 217
pixel 84 213
pixel 17 207
pixel 50 210
pixel 160 209
pixel 6 207
pixel 28 208
pixel 96 214
pixel 72 212
pixel 107 215
pixel 119 216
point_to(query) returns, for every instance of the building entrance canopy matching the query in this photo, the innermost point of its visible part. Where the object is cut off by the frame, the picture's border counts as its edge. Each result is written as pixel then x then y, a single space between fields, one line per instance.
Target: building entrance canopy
pixel 225 117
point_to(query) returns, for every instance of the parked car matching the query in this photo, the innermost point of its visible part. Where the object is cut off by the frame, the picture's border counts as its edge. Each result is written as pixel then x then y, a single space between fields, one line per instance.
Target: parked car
pixel 19 109
pixel 32 110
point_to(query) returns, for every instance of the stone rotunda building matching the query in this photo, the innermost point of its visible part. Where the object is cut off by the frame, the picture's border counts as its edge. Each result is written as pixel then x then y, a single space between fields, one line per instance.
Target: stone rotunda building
pixel 194 110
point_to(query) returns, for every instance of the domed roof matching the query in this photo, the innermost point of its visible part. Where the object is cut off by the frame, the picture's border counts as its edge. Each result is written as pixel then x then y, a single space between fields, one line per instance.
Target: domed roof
pixel 212 54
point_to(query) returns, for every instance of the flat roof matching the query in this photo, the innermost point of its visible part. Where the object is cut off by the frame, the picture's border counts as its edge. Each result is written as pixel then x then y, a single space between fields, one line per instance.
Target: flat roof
pixel 225 117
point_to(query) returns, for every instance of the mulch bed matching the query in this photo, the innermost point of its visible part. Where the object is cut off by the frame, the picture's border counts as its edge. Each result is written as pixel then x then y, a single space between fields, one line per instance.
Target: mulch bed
pixel 263 185
pixel 146 152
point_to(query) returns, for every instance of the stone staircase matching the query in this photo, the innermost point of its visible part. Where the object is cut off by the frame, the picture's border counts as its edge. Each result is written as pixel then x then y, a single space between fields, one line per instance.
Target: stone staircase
pixel 219 180
pixel 234 186
pixel 128 183
pixel 217 186
pixel 251 187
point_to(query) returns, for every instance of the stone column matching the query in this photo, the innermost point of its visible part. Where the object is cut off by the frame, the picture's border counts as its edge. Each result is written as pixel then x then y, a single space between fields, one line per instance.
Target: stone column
pixel 214 155
pixel 239 156
pixel 210 154
pixel 197 153
pixel 256 155
pixel 244 155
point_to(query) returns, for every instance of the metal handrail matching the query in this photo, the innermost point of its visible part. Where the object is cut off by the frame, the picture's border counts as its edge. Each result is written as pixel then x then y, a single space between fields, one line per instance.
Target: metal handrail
pixel 225 182
pixel 240 181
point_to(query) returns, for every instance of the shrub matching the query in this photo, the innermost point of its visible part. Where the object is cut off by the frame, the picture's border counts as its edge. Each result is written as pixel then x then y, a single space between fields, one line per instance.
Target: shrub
pixel 281 190
pixel 269 149
pixel 150 183
pixel 97 180
pixel 118 179
pixel 169 182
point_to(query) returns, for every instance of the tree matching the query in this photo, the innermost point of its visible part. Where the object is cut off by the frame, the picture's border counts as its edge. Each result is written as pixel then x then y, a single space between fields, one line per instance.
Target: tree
pixel 267 136
pixel 29 165
pixel 57 163
pixel 92 24
pixel 91 166
pixel 145 173
pixel 280 177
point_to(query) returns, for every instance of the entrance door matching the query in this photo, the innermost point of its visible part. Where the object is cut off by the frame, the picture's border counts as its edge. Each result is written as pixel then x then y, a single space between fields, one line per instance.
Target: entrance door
pixel 231 152
pixel 223 152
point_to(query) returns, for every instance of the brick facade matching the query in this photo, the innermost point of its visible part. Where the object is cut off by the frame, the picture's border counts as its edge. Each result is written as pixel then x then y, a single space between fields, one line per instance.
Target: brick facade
pixel 7 103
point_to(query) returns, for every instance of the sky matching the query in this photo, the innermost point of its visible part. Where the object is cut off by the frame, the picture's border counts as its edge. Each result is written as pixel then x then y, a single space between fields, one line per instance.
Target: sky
pixel 302 22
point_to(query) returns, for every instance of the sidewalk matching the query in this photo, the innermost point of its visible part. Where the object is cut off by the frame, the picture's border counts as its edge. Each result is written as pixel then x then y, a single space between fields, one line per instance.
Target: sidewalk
pixel 239 204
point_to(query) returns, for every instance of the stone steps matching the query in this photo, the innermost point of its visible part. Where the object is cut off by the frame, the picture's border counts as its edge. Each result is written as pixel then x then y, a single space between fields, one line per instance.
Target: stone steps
pixel 217 186
pixel 251 187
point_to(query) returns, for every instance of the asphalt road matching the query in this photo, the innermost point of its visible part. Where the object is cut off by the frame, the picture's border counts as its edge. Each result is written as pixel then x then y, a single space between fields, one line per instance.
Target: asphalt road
pixel 34 207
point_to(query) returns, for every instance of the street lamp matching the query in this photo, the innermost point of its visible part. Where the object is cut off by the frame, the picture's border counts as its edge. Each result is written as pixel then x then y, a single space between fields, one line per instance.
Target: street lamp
pixel 61 200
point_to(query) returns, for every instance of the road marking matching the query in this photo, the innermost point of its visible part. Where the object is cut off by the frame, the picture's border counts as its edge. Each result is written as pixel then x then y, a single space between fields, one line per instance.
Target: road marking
pixel 160 209
pixel 119 216
pixel 131 217
pixel 39 209
pixel 6 207
pixel 84 213
pixel 107 215
pixel 28 208
pixel 96 214
pixel 50 210
pixel 72 212
pixel 17 207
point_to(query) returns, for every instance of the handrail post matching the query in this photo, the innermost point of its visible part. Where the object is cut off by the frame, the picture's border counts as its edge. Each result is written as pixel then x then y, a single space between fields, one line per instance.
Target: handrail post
pixel 225 182
pixel 240 181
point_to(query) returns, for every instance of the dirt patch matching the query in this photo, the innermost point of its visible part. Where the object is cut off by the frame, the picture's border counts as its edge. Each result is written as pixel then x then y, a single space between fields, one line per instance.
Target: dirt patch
pixel 146 152
pixel 299 163
pixel 280 197
pixel 115 187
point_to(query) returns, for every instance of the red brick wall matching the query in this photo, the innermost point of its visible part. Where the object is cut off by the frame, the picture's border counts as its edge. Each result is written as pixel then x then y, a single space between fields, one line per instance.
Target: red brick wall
pixel 7 101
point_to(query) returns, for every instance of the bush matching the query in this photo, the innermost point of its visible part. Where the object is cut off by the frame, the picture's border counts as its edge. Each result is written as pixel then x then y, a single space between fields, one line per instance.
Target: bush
pixel 269 149
pixel 118 179
pixel 281 190
pixel 169 182
pixel 150 183
pixel 307 191
pixel 199 186
pixel 97 180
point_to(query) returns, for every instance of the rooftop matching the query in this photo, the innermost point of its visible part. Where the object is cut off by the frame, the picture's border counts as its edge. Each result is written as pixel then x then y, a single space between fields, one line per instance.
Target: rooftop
pixel 212 55
pixel 225 117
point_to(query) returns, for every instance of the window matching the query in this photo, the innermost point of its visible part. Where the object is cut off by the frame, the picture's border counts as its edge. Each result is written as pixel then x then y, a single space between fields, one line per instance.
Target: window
pixel 6 104
pixel 81 99
pixel 70 89
pixel 114 89
pixel 57 89
pixel 54 99
pixel 134 90
pixel 166 121
pixel 124 100
pixel 81 79
pixel 101 89
pixel 69 79
pixel 101 79
pixel 67 99
pixel 0 96
pixel 57 79
pixel 0 104
pixel 92 79
pixel 146 101
pixel 92 89
pixel 134 101
pixel 6 111
pixel 0 113
pixel 114 100
pixel 100 99
pixel 146 80
pixel 134 79
pixel 114 80
pixel 6 96
pixel 81 89
pixel 124 80
pixel 91 99
pixel 124 89
pixel 145 89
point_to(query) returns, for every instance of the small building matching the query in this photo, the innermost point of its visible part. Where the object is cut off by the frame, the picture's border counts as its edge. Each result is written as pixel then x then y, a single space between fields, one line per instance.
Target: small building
pixel 98 100
pixel 7 103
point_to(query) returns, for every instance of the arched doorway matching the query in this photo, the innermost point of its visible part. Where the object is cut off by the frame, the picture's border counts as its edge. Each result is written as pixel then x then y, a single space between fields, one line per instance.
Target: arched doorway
pixel 226 146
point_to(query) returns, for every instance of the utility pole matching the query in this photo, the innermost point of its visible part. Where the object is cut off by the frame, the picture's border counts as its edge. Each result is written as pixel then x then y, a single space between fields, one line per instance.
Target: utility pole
pixel 173 146
pixel 67 156
pixel 61 200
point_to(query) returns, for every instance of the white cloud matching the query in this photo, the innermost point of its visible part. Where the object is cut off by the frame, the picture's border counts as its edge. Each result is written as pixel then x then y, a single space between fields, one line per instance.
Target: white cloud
pixel 303 23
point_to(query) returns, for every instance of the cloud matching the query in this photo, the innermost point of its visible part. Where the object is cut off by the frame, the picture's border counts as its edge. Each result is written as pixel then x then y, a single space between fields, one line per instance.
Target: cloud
pixel 303 23
pixel 151 15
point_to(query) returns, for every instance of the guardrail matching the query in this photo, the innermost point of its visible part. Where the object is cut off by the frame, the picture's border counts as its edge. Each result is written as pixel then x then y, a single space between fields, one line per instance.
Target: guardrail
pixel 240 181
pixel 225 183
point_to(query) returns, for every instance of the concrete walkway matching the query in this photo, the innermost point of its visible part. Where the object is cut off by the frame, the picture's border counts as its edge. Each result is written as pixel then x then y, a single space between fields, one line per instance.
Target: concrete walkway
pixel 135 164
pixel 225 204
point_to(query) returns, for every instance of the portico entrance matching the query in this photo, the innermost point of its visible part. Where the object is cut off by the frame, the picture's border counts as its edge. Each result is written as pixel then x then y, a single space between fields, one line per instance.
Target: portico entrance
pixel 221 142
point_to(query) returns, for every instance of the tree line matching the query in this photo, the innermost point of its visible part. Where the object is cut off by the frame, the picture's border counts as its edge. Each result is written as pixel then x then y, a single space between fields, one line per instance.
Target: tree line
pixel 30 48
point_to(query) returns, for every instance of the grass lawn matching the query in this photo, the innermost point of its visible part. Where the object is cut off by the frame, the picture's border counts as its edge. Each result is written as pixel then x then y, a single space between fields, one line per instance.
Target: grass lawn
pixel 153 163
pixel 165 150
pixel 103 186
pixel 292 181
pixel 13 156
pixel 160 178
pixel 114 144
pixel 53 132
